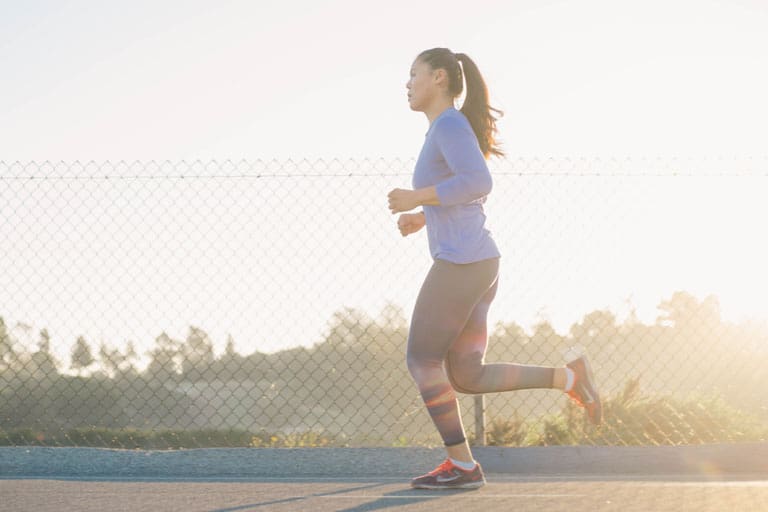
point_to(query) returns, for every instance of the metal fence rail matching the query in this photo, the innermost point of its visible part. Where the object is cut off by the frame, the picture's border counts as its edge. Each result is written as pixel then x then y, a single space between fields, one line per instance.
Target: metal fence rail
pixel 162 304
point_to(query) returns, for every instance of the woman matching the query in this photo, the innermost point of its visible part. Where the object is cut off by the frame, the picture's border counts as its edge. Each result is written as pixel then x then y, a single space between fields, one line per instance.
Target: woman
pixel 448 332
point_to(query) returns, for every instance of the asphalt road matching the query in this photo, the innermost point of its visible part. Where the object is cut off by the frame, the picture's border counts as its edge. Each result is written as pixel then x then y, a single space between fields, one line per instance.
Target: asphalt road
pixel 502 493
pixel 716 478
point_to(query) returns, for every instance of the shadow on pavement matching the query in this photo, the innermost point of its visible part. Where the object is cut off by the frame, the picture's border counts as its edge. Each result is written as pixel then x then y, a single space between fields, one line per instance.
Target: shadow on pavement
pixel 296 498
pixel 404 497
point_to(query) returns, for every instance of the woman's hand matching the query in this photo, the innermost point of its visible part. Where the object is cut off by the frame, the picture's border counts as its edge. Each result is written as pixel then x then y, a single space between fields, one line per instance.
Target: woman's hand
pixel 410 223
pixel 401 200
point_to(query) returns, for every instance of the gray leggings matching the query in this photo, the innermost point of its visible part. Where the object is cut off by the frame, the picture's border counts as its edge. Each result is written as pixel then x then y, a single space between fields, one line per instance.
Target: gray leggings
pixel 447 342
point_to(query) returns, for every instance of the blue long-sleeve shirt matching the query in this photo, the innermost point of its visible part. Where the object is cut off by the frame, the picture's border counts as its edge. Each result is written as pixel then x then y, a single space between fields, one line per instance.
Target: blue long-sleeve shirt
pixel 451 160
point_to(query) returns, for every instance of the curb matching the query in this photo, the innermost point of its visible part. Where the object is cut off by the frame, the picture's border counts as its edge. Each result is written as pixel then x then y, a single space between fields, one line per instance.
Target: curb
pixel 702 460
pixel 252 463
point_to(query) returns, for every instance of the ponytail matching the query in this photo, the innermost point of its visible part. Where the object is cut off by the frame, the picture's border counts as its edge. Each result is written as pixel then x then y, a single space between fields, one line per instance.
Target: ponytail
pixel 476 107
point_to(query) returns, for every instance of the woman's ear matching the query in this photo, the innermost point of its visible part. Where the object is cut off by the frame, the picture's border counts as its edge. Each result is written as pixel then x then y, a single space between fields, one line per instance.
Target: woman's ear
pixel 440 77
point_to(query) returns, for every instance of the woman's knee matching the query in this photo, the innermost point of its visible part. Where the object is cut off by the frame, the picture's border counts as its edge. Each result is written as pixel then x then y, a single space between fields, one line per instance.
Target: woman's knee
pixel 413 364
pixel 462 383
pixel 464 374
pixel 420 365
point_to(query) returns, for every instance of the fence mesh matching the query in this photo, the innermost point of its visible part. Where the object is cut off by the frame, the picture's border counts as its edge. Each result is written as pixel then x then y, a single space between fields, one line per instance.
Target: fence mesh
pixel 265 303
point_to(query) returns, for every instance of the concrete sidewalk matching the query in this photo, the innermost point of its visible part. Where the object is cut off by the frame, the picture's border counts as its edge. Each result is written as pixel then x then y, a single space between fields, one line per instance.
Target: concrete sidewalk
pixel 254 463
pixel 557 479
pixel 502 494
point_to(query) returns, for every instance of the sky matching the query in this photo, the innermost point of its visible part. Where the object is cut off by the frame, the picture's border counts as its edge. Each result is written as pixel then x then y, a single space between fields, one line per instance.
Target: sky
pixel 184 81
pixel 172 80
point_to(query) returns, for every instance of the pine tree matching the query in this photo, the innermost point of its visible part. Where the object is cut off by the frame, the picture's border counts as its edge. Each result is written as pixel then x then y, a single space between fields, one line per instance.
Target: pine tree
pixel 43 362
pixel 6 346
pixel 82 357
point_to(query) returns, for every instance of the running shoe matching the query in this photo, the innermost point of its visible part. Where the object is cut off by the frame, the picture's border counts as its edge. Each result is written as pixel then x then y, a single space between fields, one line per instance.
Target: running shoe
pixel 584 390
pixel 449 476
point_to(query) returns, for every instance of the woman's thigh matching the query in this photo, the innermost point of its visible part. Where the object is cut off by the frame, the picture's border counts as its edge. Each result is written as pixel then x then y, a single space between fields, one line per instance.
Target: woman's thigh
pixel 446 304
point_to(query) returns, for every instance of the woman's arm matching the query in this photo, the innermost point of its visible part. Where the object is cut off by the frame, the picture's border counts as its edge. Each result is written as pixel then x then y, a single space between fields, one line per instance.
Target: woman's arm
pixel 402 200
pixel 471 178
pixel 409 223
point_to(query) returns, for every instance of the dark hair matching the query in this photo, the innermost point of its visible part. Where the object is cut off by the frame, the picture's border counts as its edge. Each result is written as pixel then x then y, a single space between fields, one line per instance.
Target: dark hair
pixel 476 107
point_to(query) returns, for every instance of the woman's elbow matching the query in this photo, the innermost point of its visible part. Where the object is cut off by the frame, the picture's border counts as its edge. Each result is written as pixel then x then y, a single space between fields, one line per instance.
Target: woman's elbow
pixel 484 185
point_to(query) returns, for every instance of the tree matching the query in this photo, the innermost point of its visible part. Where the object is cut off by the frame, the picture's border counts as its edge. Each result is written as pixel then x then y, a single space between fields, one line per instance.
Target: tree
pixel 43 362
pixel 393 317
pixel 683 309
pixel 349 328
pixel 508 342
pixel 233 366
pixel 44 345
pixel 82 357
pixel 129 359
pixel 547 342
pixel 166 356
pixel 599 332
pixel 197 354
pixel 6 346
pixel 110 359
pixel 229 349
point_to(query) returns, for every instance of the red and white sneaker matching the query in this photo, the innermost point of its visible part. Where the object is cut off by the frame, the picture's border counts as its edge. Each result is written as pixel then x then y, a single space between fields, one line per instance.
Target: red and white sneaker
pixel 584 391
pixel 449 476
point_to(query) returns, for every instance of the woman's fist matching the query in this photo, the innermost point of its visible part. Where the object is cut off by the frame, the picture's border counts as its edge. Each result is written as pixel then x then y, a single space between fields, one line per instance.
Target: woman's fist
pixel 409 223
pixel 402 200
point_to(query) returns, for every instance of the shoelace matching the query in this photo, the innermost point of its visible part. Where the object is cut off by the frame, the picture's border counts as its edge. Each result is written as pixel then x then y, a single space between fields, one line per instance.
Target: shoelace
pixel 443 467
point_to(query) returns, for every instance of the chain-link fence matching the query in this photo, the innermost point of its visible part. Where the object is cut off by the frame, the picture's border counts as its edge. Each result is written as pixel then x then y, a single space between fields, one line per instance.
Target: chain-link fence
pixel 267 303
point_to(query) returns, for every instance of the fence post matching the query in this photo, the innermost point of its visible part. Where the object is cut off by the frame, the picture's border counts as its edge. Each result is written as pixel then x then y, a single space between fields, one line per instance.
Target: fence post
pixel 480 420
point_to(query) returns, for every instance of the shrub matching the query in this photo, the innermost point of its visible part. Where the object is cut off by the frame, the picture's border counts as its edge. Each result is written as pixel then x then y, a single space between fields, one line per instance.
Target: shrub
pixel 632 419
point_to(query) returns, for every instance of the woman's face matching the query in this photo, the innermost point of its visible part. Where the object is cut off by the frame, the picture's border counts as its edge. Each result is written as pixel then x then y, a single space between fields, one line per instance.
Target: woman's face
pixel 422 86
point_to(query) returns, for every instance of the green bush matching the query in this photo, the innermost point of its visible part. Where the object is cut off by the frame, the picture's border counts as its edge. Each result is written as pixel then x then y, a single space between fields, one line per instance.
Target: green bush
pixel 629 419
pixel 632 419
pixel 502 433
pixel 128 438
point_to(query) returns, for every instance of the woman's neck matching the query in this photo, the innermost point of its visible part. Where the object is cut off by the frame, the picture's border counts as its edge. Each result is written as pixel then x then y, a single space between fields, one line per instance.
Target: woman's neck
pixel 434 111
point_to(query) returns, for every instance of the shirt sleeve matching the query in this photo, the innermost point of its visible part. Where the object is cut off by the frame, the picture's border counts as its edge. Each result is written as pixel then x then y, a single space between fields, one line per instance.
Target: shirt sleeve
pixel 471 179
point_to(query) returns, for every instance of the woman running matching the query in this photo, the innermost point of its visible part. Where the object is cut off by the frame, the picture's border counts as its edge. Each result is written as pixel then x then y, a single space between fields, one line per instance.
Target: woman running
pixel 448 333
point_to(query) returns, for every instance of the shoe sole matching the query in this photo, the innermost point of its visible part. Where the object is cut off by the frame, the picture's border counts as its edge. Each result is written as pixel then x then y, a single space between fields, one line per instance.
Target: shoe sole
pixel 468 485
pixel 596 404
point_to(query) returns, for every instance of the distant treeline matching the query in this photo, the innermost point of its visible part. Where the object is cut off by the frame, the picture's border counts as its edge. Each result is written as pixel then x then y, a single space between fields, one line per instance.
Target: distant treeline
pixel 354 385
